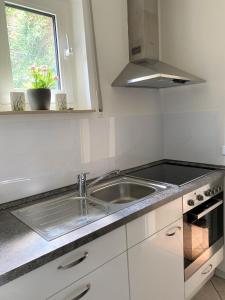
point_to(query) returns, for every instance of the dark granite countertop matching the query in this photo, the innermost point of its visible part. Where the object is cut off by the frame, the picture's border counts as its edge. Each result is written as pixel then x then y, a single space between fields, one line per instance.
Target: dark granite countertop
pixel 23 250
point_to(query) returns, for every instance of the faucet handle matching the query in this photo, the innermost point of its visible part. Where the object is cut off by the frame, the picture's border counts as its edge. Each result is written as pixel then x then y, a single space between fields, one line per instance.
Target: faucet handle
pixel 82 176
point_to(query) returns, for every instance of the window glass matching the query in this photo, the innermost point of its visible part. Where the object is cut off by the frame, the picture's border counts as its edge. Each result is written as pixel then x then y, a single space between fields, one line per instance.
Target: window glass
pixel 32 41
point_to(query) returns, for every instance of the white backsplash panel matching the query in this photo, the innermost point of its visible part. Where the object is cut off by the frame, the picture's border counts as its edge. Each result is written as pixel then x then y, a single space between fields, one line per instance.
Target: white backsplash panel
pixel 43 153
pixel 193 136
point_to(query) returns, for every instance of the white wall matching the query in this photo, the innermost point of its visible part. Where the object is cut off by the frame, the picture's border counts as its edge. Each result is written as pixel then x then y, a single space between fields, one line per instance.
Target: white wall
pixel 192 38
pixel 40 153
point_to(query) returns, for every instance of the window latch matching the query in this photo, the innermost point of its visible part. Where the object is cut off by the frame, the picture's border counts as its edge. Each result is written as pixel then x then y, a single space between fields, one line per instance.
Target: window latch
pixel 68 51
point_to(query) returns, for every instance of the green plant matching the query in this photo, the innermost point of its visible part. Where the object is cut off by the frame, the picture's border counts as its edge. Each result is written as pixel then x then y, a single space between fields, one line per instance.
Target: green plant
pixel 42 78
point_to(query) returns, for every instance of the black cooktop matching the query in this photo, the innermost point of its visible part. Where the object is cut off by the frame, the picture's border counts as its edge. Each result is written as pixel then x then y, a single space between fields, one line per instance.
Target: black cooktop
pixel 171 173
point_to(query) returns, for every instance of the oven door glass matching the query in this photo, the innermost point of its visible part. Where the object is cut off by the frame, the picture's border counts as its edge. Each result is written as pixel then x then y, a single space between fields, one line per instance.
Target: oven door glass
pixel 203 228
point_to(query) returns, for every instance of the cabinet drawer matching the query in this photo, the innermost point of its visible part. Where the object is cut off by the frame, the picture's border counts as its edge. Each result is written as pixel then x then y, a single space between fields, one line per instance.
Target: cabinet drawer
pixel 147 225
pixel 108 282
pixel 56 275
pixel 196 282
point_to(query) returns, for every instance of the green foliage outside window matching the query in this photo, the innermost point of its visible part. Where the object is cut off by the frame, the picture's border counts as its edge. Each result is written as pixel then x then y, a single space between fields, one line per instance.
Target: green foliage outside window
pixel 31 42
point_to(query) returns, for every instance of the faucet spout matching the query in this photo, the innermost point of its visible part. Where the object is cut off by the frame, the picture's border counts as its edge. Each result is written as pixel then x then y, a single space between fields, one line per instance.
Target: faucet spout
pixel 100 178
pixel 82 181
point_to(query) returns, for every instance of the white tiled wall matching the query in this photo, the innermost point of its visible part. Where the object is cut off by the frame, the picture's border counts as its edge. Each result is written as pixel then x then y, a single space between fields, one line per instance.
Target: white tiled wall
pixel 39 154
pixel 193 136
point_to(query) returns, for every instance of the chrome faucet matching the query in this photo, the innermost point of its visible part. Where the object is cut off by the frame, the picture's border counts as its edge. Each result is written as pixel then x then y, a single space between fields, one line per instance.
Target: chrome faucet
pixel 82 184
pixel 82 181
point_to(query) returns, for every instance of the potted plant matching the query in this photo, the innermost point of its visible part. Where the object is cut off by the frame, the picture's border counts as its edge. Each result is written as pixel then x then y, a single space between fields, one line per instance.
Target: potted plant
pixel 39 95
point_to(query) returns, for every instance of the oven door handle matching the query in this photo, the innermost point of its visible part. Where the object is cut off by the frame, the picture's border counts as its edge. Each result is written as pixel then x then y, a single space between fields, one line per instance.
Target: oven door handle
pixel 208 210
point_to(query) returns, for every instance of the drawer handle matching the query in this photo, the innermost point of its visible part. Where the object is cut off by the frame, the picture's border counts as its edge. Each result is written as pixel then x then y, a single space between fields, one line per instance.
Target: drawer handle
pixel 88 287
pixel 73 264
pixel 207 270
pixel 173 231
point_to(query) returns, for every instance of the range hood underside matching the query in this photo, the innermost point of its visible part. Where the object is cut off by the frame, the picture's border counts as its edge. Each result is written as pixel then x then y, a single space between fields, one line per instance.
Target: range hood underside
pixel 153 74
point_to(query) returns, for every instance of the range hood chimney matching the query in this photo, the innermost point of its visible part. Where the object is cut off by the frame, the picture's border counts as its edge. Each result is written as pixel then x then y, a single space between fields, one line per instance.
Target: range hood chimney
pixel 144 69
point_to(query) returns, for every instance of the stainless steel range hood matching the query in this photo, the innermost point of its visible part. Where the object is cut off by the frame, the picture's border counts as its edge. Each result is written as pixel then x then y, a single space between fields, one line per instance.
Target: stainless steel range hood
pixel 145 70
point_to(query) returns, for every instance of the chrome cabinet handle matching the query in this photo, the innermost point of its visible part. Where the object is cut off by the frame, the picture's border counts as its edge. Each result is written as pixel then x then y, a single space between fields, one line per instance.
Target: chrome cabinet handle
pixel 88 287
pixel 74 263
pixel 172 233
pixel 207 270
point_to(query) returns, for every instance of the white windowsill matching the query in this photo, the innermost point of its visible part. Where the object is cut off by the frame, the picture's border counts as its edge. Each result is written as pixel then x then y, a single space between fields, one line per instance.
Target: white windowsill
pixel 30 112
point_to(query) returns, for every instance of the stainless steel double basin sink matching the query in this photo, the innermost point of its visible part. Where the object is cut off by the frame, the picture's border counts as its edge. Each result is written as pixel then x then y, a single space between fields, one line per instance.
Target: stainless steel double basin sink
pixel 59 216
pixel 123 191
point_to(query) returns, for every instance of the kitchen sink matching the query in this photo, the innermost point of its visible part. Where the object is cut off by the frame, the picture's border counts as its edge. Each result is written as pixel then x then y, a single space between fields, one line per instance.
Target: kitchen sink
pixel 61 215
pixel 124 191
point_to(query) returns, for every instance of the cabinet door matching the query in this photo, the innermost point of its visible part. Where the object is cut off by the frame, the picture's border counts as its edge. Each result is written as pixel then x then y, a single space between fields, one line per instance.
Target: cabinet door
pixel 156 266
pixel 151 223
pixel 108 282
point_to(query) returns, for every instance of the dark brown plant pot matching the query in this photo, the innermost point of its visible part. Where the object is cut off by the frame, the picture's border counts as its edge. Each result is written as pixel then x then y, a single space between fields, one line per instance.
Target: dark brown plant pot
pixel 39 99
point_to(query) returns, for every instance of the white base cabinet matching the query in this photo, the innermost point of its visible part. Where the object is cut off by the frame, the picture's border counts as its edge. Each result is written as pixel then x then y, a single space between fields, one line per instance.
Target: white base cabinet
pixel 49 279
pixel 99 270
pixel 156 266
pixel 109 282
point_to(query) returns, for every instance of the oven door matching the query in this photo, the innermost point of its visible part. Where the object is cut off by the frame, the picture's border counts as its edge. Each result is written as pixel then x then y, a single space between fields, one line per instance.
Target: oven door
pixel 203 234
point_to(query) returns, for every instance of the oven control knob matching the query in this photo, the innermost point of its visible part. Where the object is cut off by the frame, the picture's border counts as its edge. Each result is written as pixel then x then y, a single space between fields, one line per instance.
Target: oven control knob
pixel 191 202
pixel 218 189
pixel 215 190
pixel 199 197
pixel 208 193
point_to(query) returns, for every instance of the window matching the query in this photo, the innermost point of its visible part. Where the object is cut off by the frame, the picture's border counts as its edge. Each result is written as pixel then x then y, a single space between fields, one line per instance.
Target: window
pixel 55 33
pixel 32 41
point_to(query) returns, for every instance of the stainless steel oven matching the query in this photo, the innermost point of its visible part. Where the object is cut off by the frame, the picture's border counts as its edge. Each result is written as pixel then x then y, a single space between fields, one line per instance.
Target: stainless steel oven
pixel 203 228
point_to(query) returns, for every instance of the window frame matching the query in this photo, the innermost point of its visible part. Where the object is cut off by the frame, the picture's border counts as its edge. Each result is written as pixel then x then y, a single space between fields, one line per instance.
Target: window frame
pixel 62 27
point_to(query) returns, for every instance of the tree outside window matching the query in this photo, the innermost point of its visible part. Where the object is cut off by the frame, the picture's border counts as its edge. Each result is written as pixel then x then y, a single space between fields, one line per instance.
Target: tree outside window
pixel 32 41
